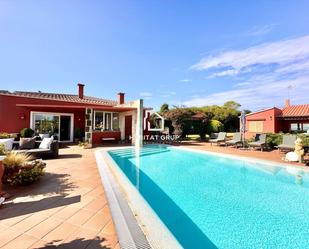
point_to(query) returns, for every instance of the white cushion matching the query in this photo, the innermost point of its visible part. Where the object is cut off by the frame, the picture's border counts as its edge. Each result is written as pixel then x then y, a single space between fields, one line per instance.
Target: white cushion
pixel 291 157
pixel 7 142
pixel 43 135
pixel 46 142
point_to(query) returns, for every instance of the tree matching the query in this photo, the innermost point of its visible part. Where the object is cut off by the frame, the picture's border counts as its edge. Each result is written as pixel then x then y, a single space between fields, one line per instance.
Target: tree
pixel 214 126
pixel 178 117
pixel 164 108
pixel 231 105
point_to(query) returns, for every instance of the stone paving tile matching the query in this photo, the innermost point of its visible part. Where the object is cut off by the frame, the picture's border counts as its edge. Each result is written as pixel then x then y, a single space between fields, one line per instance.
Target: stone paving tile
pixel 66 212
pixel 81 217
pixel 45 227
pixel 3 227
pixel 23 241
pixel 14 220
pixel 109 229
pixel 96 204
pixel 8 235
pixel 99 220
pixel 40 244
pixel 80 239
pixel 60 233
pixel 29 222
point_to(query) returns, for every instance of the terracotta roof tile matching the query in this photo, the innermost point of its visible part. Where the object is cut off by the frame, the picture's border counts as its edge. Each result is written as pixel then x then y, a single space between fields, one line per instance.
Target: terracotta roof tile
pixel 296 111
pixel 61 97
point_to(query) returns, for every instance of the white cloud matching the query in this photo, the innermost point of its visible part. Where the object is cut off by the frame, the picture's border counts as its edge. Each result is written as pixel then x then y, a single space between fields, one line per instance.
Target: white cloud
pixel 228 72
pixel 167 94
pixel 259 93
pixel 185 80
pixel 261 30
pixel 267 70
pixel 280 52
pixel 146 95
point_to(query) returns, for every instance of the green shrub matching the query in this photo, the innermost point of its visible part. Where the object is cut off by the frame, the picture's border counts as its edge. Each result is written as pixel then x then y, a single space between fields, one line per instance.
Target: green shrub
pixel 214 126
pixel 2 149
pixel 274 139
pixel 15 160
pixel 6 135
pixel 78 133
pixel 27 132
pixel 24 175
pixel 305 139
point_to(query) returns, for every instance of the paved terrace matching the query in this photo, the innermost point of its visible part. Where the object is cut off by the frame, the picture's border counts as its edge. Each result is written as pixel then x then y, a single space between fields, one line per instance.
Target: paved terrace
pixel 65 209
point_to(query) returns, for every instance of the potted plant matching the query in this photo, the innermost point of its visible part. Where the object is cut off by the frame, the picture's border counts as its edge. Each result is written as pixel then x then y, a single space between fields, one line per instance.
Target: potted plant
pixel 27 132
pixel 77 134
pixel 2 156
pixel 20 170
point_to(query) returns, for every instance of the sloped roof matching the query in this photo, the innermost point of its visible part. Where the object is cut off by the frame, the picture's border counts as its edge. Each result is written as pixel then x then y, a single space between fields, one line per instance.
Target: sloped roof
pixel 296 111
pixel 61 97
pixel 199 115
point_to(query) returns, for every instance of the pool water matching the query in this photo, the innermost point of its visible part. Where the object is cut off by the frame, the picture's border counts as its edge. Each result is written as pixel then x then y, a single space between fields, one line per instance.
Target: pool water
pixel 210 201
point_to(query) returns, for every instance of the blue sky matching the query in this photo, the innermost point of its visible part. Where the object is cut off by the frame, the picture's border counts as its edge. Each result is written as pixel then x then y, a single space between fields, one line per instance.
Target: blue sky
pixel 179 52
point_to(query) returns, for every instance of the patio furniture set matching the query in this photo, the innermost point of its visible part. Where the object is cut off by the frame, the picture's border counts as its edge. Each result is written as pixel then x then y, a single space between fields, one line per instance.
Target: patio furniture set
pixel 288 143
pixel 35 146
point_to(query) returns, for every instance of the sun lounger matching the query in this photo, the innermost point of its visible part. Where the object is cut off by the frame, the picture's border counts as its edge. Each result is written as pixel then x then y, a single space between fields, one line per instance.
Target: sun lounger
pixel 287 143
pixel 260 141
pixel 220 139
pixel 236 139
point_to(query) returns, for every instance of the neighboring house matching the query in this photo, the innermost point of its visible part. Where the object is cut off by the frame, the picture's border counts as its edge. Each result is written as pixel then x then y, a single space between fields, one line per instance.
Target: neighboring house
pixel 288 119
pixel 64 115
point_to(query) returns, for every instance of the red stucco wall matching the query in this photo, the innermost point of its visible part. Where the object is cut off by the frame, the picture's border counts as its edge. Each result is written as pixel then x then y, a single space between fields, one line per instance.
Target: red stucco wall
pixel 98 135
pixel 13 118
pixel 270 123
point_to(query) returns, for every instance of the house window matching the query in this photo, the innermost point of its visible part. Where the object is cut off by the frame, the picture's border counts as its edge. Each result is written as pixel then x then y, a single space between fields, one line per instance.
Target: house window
pixel 256 126
pixel 295 127
pixel 106 121
pixel 299 127
pixel 115 121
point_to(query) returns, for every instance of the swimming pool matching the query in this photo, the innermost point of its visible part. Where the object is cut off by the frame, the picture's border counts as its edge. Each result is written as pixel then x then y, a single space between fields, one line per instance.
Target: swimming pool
pixel 213 201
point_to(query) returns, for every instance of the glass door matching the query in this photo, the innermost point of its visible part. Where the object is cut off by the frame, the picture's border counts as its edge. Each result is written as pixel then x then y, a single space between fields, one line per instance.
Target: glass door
pixel 54 124
pixel 65 128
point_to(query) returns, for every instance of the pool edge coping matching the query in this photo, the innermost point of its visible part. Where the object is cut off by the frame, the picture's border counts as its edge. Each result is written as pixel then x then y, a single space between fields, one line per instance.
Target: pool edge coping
pixel 127 240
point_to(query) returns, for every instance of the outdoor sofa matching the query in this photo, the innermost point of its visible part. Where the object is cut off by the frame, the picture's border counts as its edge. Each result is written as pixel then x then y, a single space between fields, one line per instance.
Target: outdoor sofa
pixel 36 152
pixel 220 139
pixel 288 143
pixel 259 142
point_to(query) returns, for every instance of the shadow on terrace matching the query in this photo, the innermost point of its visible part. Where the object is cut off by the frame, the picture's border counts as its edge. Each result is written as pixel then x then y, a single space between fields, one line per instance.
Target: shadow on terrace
pixel 95 243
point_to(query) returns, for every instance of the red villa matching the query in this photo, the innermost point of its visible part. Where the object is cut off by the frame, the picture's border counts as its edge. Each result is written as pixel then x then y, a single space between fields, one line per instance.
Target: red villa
pixel 62 114
pixel 288 119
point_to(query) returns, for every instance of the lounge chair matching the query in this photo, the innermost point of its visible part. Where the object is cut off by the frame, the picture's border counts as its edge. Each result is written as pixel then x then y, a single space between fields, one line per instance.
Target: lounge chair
pixel 287 143
pixel 221 138
pixel 260 141
pixel 236 140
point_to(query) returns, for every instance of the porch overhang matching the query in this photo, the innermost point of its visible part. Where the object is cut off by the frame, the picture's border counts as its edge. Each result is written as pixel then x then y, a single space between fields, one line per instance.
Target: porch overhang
pixel 296 118
pixel 103 108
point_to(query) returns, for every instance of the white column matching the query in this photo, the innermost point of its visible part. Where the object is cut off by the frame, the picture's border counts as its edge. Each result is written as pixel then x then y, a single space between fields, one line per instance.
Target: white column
pixel 122 124
pixel 139 124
